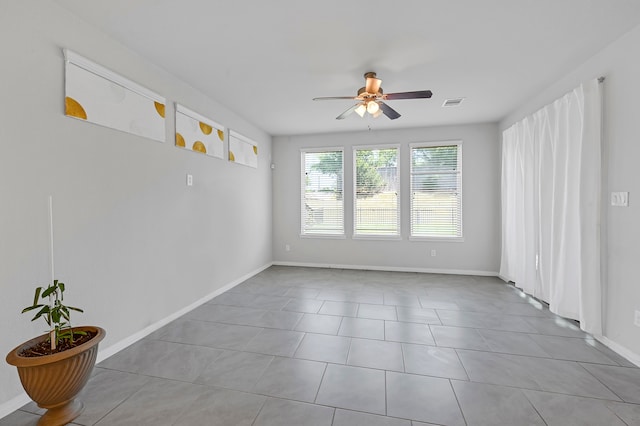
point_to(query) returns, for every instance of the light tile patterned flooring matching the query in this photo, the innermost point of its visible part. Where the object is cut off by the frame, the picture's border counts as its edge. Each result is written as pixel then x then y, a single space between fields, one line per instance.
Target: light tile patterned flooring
pixel 305 346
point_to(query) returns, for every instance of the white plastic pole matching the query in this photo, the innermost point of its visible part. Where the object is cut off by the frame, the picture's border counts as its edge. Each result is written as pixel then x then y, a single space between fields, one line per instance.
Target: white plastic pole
pixel 52 334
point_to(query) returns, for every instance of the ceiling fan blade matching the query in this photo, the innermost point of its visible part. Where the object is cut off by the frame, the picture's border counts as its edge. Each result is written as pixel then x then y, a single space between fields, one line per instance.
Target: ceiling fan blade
pixel 388 111
pixel 347 112
pixel 408 95
pixel 373 85
pixel 328 98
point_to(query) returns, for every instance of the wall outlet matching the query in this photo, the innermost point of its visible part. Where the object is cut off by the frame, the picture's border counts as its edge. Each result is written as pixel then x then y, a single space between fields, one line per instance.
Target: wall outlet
pixel 287 247
pixel 189 180
pixel 620 199
pixel 433 253
pixel 636 318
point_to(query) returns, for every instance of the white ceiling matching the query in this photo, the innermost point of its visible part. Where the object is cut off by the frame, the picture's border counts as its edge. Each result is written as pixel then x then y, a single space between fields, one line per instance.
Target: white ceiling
pixel 266 60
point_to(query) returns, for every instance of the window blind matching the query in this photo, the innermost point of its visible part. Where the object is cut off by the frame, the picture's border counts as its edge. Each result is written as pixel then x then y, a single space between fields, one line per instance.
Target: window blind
pixel 377 189
pixel 436 190
pixel 322 201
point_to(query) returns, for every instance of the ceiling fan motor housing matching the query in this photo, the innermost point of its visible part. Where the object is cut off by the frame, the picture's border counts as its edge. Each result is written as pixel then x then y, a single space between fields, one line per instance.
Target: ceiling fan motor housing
pixel 362 93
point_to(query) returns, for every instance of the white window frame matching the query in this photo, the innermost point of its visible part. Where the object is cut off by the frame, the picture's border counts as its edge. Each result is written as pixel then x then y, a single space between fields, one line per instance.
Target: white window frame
pixel 397 236
pixel 303 152
pixel 433 144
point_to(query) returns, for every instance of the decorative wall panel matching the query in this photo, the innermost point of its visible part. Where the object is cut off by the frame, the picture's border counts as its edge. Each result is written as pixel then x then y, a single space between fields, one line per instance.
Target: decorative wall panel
pixel 243 150
pixel 198 133
pixel 98 95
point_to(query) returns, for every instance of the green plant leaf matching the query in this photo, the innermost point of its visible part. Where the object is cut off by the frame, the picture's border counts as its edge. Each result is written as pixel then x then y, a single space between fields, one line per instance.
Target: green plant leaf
pixel 44 310
pixel 75 309
pixel 50 290
pixel 65 313
pixel 31 308
pixel 55 316
pixel 37 296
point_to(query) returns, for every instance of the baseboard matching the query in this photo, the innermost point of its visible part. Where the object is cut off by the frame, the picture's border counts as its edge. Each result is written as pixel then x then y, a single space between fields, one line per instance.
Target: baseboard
pixel 503 278
pixel 620 350
pixel 13 404
pixel 389 268
pixel 117 347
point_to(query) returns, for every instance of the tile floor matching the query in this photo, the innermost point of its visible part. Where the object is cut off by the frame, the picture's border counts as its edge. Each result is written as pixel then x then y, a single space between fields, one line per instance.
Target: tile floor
pixel 304 346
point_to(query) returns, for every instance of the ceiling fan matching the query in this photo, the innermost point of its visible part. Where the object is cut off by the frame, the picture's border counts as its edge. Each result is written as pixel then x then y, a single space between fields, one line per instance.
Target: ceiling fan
pixel 370 99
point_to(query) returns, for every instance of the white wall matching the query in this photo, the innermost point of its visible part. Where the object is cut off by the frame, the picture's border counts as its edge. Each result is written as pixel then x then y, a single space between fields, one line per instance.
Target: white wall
pixel 132 242
pixel 480 251
pixel 621 66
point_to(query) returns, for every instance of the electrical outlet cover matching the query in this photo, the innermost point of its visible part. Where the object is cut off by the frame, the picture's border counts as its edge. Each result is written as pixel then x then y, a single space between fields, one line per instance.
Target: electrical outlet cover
pixel 620 199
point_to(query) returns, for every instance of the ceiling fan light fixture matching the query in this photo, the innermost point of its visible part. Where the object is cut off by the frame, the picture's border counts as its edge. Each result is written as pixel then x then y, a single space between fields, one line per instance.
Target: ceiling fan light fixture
pixel 372 100
pixel 361 109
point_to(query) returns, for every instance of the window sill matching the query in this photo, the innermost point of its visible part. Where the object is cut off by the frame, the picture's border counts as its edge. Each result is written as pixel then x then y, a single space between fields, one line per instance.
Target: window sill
pixel 439 239
pixel 324 236
pixel 378 237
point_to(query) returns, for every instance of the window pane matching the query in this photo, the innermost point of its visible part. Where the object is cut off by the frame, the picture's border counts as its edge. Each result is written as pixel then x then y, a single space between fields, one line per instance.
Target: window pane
pixel 377 190
pixel 436 207
pixel 434 159
pixel 322 204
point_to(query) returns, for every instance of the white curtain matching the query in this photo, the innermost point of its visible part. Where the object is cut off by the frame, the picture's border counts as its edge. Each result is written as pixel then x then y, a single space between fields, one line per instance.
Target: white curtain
pixel 551 192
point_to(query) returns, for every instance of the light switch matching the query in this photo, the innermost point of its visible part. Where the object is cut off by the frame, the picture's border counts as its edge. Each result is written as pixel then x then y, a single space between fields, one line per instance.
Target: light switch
pixel 620 199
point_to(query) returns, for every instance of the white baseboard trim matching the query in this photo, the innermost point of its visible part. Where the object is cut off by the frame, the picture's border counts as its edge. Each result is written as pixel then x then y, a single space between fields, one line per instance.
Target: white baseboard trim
pixel 389 268
pixel 620 350
pixel 117 347
pixel 503 278
pixel 13 404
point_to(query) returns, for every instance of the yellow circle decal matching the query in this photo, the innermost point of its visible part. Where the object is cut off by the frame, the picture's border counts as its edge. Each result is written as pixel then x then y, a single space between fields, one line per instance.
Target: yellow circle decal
pixel 159 108
pixel 206 129
pixel 221 135
pixel 199 147
pixel 72 108
pixel 231 156
pixel 180 140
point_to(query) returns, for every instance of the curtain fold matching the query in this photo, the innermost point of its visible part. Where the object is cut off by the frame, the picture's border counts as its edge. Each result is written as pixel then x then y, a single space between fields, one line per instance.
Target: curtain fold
pixel 551 174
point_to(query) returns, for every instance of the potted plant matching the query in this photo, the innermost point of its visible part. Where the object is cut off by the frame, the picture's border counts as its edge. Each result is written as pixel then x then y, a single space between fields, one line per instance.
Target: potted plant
pixel 55 366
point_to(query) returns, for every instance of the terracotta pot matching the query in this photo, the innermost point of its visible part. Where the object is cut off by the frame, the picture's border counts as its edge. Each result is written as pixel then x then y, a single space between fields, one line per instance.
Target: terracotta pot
pixel 53 381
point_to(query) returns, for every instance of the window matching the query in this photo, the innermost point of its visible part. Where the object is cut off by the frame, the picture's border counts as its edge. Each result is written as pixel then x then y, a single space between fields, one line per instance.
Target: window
pixel 377 188
pixel 322 202
pixel 436 190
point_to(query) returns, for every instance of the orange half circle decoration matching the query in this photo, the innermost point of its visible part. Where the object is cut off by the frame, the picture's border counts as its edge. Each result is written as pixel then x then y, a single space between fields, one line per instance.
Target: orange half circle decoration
pixel 159 108
pixel 205 128
pixel 199 147
pixel 221 135
pixel 255 150
pixel 72 108
pixel 231 156
pixel 180 140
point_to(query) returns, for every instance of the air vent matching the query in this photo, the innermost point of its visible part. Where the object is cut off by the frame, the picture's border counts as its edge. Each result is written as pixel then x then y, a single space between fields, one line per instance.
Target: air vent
pixel 452 102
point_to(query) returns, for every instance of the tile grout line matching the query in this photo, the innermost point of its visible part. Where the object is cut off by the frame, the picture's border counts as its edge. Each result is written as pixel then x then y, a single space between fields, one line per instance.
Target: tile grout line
pixel 464 419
